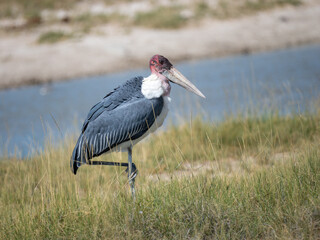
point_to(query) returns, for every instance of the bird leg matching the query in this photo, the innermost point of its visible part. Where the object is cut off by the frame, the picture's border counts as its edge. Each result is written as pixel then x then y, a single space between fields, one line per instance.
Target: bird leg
pixel 132 173
pixel 131 169
pixel 134 168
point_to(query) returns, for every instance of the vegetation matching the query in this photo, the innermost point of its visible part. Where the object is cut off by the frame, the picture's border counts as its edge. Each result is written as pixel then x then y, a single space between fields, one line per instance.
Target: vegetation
pixel 53 37
pixel 229 8
pixel 171 16
pixel 244 178
pixel 162 17
pixel 78 22
pixel 13 8
pixel 86 22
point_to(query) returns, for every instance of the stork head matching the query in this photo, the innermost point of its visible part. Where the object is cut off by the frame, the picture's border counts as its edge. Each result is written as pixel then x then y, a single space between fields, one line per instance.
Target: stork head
pixel 161 66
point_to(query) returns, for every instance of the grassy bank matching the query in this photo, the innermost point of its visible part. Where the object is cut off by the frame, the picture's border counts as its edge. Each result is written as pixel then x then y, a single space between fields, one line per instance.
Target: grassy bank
pixel 79 17
pixel 245 178
pixel 15 8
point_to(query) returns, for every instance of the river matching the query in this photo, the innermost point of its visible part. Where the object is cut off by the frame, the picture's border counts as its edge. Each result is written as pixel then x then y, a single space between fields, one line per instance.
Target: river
pixel 285 81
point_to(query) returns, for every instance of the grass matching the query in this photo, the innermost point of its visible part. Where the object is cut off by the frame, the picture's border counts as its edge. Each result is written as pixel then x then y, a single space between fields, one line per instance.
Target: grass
pixel 87 21
pixel 172 16
pixel 162 17
pixel 244 178
pixel 13 8
pixel 53 37
pixel 84 24
pixel 232 9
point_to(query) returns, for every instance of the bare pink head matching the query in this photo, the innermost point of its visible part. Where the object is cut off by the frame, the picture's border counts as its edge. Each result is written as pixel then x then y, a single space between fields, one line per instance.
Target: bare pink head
pixel 158 64
pixel 161 66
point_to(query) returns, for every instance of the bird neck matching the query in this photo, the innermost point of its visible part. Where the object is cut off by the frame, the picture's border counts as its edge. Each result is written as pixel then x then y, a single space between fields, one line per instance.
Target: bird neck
pixel 155 86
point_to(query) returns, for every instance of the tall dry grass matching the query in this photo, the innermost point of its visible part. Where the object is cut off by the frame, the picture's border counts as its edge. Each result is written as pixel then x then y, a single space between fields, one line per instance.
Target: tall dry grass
pixel 244 178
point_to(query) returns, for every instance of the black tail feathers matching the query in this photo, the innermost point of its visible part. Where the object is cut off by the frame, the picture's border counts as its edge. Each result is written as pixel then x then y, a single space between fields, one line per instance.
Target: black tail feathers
pixel 76 159
pixel 74 162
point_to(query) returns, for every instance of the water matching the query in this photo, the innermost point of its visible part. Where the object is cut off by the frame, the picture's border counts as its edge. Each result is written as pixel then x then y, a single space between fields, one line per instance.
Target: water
pixel 286 80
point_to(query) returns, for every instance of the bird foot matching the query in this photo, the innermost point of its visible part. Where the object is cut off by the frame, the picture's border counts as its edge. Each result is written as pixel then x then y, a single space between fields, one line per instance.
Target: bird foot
pixel 134 172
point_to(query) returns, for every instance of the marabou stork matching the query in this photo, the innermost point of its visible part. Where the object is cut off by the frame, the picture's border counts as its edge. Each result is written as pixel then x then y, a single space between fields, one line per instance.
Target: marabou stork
pixel 127 115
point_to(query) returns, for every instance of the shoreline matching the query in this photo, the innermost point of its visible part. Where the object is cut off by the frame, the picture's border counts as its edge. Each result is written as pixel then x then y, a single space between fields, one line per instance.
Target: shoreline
pixel 111 49
pixel 144 65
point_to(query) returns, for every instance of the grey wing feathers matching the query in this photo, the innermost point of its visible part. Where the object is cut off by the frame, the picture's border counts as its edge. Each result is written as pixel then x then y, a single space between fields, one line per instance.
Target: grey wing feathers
pixel 128 91
pixel 107 127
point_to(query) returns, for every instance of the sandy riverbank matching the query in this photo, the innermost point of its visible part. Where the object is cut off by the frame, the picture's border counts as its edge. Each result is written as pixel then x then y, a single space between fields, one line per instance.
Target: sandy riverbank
pixel 109 48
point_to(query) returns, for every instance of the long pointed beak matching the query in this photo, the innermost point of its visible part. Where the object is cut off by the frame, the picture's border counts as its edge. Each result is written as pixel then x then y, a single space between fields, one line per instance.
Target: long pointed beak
pixel 176 77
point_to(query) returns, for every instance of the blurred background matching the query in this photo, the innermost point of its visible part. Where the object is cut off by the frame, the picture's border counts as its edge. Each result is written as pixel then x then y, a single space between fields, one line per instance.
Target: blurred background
pixel 58 58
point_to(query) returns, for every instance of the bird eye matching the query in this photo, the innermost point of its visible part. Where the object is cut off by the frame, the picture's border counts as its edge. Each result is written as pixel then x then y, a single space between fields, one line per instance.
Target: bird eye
pixel 161 61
